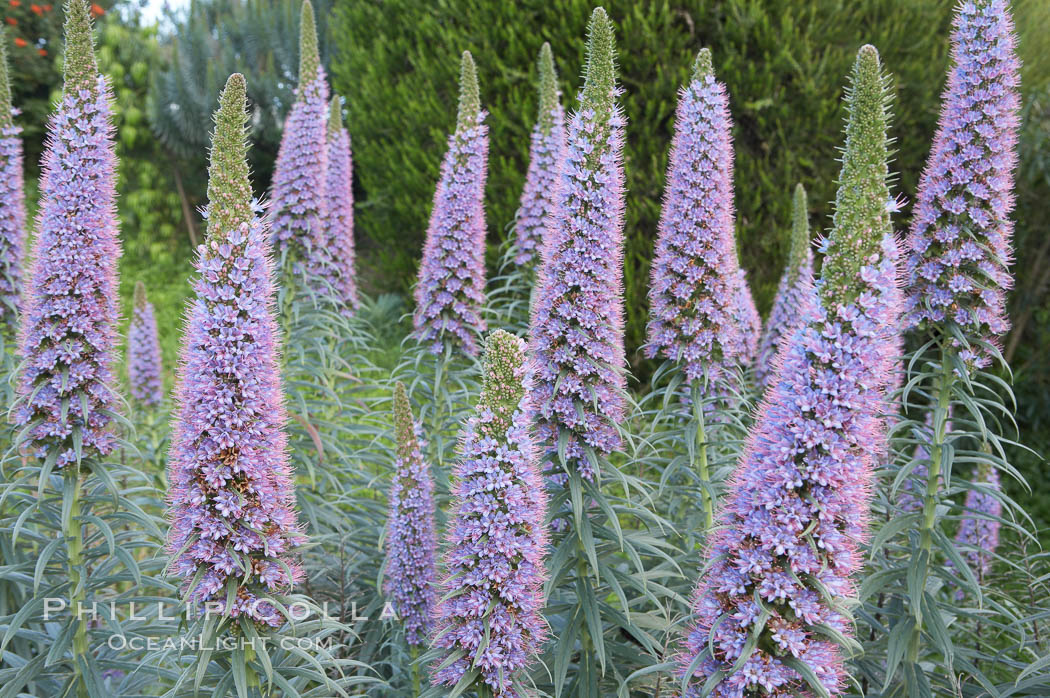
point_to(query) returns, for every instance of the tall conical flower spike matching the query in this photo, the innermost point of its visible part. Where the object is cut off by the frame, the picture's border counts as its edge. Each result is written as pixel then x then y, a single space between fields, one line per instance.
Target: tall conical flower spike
pixel 451 288
pixel 692 294
pixel 577 322
pixel 232 502
pixel 959 246
pixel 144 368
pixel 12 202
pixel 492 603
pixel 796 509
pixel 339 206
pixel 546 152
pixel 409 572
pixel 69 314
pixel 795 283
pixel 297 203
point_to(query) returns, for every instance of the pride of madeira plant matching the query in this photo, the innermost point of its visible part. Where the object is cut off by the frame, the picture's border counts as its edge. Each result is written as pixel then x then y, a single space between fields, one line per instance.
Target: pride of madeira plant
pixel 63 491
pixel 956 274
pixel 234 529
pixel 770 607
pixel 12 205
pixel 451 287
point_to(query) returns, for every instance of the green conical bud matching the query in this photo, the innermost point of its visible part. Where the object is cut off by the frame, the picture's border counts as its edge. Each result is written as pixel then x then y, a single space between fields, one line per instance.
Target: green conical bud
pixel 404 423
pixel 703 66
pixel 548 89
pixel 140 295
pixel 229 190
pixel 599 82
pixel 335 118
pixel 309 53
pixel 80 70
pixel 469 94
pixel 502 385
pixel 861 216
pixel 6 118
pixel 799 230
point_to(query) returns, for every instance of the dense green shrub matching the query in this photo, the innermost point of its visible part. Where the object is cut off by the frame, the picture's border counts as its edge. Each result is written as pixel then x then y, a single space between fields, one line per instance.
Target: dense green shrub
pixel 783 62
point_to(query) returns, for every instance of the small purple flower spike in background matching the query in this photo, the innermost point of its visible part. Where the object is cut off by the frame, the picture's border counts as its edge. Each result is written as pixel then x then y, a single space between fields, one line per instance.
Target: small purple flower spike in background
pixel 959 247
pixel 409 571
pixel 492 605
pixel 451 288
pixel 979 530
pixel 232 498
pixel 297 204
pixel 692 292
pixel 797 505
pixel 577 321
pixel 748 320
pixel 144 367
pixel 339 206
pixel 546 151
pixel 12 203
pixel 68 333
pixel 795 283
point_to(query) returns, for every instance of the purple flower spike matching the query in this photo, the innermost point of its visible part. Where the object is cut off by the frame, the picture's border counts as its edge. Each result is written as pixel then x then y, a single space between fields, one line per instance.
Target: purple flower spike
pixel 69 314
pixel 12 202
pixel 692 293
pixel 979 530
pixel 545 155
pixel 232 499
pixel 492 606
pixel 577 321
pixel 794 285
pixel 796 509
pixel 746 316
pixel 451 288
pixel 410 571
pixel 297 203
pixel 144 372
pixel 959 247
pixel 339 206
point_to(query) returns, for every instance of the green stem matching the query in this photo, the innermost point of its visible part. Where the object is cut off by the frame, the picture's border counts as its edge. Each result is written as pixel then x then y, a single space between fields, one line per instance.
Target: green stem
pixel 414 651
pixel 74 535
pixel 701 455
pixel 943 394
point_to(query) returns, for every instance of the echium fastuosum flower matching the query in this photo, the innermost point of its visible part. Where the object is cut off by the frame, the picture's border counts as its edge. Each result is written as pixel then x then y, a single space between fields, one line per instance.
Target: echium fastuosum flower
pixel 69 314
pixel 979 529
pixel 339 206
pixel 12 202
pixel 409 571
pixel 747 318
pixel 577 321
pixel 692 291
pixel 959 246
pixel 491 611
pixel 451 288
pixel 144 372
pixel 545 155
pixel 232 502
pixel 297 202
pixel 797 508
pixel 795 283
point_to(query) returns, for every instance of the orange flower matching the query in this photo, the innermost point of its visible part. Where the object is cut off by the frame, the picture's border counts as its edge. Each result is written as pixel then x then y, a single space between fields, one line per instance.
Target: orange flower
pixel 97 10
pixel 20 42
pixel 37 9
pixel 42 51
pixel 15 3
pixel 12 21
